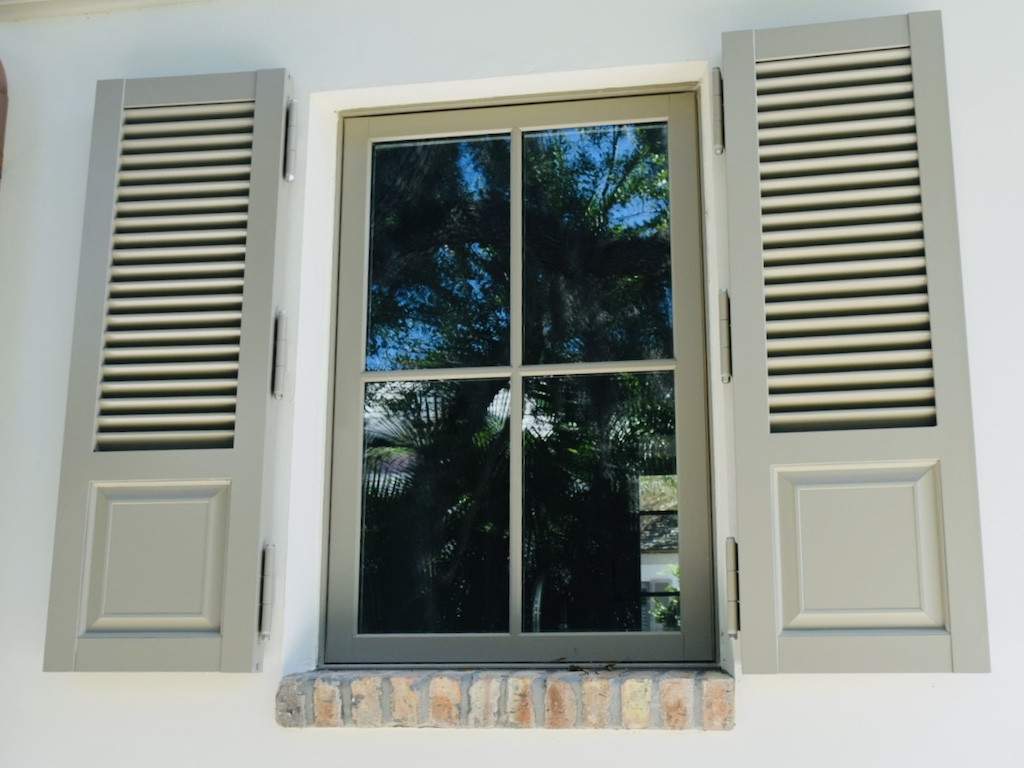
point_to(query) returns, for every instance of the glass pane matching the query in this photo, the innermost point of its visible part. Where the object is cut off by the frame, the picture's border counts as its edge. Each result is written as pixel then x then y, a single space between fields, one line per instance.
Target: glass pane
pixel 434 552
pixel 439 254
pixel 596 261
pixel 600 530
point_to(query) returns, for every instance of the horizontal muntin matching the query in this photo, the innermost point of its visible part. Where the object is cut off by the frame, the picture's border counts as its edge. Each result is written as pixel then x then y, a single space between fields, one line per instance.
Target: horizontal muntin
pixel 168 404
pixel 847 233
pixel 863 214
pixel 831 61
pixel 176 335
pixel 809 201
pixel 835 113
pixel 848 342
pixel 850 361
pixel 189 111
pixel 843 95
pixel 178 222
pixel 856 145
pixel 825 182
pixel 161 176
pixel 153 387
pixel 858 418
pixel 855 305
pixel 180 237
pixel 182 205
pixel 836 130
pixel 213 318
pixel 178 253
pixel 834 270
pixel 167 353
pixel 215 125
pixel 871 249
pixel 834 78
pixel 868 161
pixel 164 421
pixel 855 398
pixel 890 379
pixel 167 287
pixel 186 143
pixel 164 303
pixel 176 269
pixel 215 369
pixel 188 190
pixel 155 440
pixel 844 324
pixel 215 157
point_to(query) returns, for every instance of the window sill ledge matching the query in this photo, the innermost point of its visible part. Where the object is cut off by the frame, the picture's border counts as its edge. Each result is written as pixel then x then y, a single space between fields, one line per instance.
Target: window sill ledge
pixel 649 699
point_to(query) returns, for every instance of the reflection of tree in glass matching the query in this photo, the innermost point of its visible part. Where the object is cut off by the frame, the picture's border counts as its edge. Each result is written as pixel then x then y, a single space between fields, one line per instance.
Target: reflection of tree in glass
pixel 435 507
pixel 596 244
pixel 587 441
pixel 439 254
pixel 666 610
pixel 435 542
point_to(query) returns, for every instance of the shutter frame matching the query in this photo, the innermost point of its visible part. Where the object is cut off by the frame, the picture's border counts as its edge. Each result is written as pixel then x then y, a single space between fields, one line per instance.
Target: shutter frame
pixel 771 465
pixel 212 498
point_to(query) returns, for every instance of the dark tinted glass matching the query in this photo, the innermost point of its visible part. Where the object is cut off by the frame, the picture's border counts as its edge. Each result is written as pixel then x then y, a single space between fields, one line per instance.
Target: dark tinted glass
pixel 596 261
pixel 435 507
pixel 439 254
pixel 600 531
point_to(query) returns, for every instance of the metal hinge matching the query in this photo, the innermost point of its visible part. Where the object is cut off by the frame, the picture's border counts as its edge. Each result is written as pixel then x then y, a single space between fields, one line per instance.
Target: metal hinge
pixel 279 357
pixel 717 111
pixel 290 139
pixel 732 587
pixel 266 615
pixel 725 336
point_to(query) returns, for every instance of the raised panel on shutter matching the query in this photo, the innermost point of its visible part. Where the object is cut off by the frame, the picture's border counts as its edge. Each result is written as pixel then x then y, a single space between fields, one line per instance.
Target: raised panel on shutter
pixel 856 495
pixel 161 517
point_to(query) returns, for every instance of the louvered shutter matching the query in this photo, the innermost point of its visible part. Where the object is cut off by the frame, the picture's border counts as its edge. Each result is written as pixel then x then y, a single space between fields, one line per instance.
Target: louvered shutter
pixel 856 494
pixel 160 520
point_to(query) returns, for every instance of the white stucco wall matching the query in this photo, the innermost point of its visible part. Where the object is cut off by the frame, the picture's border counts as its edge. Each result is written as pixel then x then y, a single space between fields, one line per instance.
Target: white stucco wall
pixel 374 51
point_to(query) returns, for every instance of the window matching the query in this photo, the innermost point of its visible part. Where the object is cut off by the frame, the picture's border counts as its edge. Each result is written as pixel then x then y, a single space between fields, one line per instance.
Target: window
pixel 520 466
pixel 520 427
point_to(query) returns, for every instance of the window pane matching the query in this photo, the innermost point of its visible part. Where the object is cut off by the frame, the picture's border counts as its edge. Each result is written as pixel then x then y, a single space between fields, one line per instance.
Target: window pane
pixel 434 552
pixel 596 257
pixel 439 254
pixel 599 466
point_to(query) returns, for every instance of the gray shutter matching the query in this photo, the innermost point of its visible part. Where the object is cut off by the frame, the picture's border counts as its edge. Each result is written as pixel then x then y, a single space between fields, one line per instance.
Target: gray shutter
pixel 856 494
pixel 160 519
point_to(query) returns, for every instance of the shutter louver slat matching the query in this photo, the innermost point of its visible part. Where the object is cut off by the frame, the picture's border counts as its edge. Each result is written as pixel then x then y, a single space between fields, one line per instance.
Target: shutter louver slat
pixel 171 344
pixel 832 62
pixel 844 265
pixel 807 116
pixel 829 96
pixel 169 175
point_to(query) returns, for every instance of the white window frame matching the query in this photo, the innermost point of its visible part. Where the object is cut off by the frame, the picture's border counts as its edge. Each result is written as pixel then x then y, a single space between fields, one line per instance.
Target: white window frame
pixel 312 294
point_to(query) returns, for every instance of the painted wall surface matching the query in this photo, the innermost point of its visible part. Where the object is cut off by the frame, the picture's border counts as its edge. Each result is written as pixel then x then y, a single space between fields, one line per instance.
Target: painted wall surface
pixel 381 50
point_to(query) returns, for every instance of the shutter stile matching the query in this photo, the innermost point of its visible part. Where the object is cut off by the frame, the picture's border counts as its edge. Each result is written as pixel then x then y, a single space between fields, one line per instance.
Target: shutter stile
pixel 845 286
pixel 173 322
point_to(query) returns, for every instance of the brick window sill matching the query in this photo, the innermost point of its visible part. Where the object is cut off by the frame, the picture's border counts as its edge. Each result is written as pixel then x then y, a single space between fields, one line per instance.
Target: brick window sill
pixel 635 699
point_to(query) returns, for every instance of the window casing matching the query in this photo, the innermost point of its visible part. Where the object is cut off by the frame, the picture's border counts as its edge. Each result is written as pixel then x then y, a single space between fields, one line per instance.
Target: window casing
pixel 350 636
